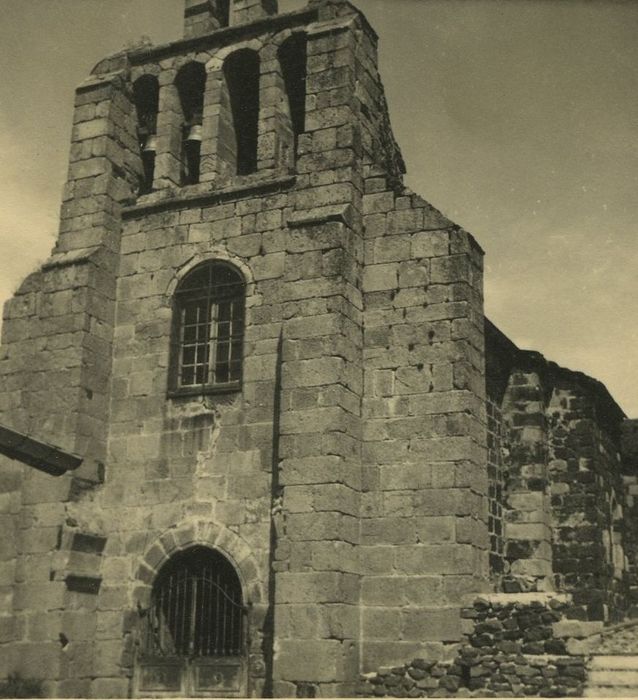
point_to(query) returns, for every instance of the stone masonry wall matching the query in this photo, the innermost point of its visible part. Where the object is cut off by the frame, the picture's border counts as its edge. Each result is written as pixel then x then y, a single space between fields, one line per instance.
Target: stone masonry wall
pixel 587 507
pixel 270 476
pixel 424 534
pixel 515 645
pixel 346 480
pixel 55 363
pixel 527 530
pixel 629 528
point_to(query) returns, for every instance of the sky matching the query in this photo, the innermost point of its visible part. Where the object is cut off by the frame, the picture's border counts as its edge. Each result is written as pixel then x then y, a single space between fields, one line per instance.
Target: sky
pixel 517 118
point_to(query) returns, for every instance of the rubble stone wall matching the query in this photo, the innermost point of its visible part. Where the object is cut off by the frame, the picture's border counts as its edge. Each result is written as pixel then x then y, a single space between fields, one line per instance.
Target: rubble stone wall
pixel 587 506
pixel 513 645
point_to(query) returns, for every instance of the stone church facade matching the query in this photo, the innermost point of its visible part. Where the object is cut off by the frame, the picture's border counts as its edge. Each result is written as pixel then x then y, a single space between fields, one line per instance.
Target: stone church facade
pixel 305 450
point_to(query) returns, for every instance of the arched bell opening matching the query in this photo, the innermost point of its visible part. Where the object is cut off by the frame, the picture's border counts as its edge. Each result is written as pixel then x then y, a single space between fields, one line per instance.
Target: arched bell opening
pixel 194 637
pixel 292 56
pixel 241 78
pixel 146 96
pixel 191 84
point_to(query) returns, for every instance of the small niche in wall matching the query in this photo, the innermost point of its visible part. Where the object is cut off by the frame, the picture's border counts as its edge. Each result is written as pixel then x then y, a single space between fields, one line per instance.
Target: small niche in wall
pixel 83 584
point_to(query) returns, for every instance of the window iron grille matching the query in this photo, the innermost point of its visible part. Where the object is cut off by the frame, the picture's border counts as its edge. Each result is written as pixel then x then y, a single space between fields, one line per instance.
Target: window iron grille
pixel 196 608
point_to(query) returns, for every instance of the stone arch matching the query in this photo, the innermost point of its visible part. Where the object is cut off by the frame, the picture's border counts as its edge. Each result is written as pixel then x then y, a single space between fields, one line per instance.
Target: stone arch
pixel 206 534
pixel 146 69
pixel 214 253
pixel 216 63
pixel 279 38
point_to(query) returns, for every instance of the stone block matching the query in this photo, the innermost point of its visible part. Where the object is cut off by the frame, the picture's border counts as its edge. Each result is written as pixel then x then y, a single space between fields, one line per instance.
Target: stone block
pixel 110 688
pixel 381 623
pixel 405 476
pixel 91 129
pixel 39 660
pixel 435 559
pixel 380 277
pixel 39 596
pixel 391 249
pixel 378 203
pixel 300 622
pixel 389 653
pixel 385 591
pixel 387 530
pixel 316 587
pixel 429 244
pixel 577 629
pixel 436 529
pixel 318 661
pixel 440 624
pixel 8 629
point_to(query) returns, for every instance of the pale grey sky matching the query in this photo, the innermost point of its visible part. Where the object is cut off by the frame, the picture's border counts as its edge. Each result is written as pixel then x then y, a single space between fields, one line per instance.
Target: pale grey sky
pixel 518 119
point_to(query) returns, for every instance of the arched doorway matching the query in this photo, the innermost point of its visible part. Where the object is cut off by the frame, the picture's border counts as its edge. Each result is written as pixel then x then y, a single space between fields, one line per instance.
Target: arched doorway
pixel 194 633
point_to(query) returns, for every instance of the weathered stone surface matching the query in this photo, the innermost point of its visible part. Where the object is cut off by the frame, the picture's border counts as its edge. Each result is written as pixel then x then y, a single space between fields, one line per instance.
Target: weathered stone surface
pixel 375 460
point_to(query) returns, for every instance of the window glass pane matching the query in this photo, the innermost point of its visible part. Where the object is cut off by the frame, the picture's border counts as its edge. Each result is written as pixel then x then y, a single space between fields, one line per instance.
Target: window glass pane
pixel 211 299
pixel 190 333
pixel 223 331
pixel 202 354
pixel 190 313
pixel 188 376
pixel 188 358
pixel 235 371
pixel 224 312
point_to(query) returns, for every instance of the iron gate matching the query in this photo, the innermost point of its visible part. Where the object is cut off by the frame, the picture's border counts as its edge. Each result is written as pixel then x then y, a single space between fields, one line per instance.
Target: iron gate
pixel 194 633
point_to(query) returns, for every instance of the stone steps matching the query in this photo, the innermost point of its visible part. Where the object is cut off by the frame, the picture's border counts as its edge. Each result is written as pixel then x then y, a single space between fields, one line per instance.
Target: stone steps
pixel 612 676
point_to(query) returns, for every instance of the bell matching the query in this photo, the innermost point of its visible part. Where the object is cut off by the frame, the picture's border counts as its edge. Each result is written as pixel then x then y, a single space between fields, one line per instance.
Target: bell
pixel 195 133
pixel 151 143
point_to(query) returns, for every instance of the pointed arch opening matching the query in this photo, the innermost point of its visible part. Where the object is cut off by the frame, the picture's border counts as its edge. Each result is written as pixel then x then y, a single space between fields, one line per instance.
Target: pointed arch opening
pixel 146 97
pixel 191 84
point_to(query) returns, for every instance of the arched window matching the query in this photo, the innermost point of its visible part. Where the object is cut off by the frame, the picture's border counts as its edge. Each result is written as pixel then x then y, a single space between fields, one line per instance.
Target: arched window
pixel 146 95
pixel 196 607
pixel 241 75
pixel 191 83
pixel 292 59
pixel 208 329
